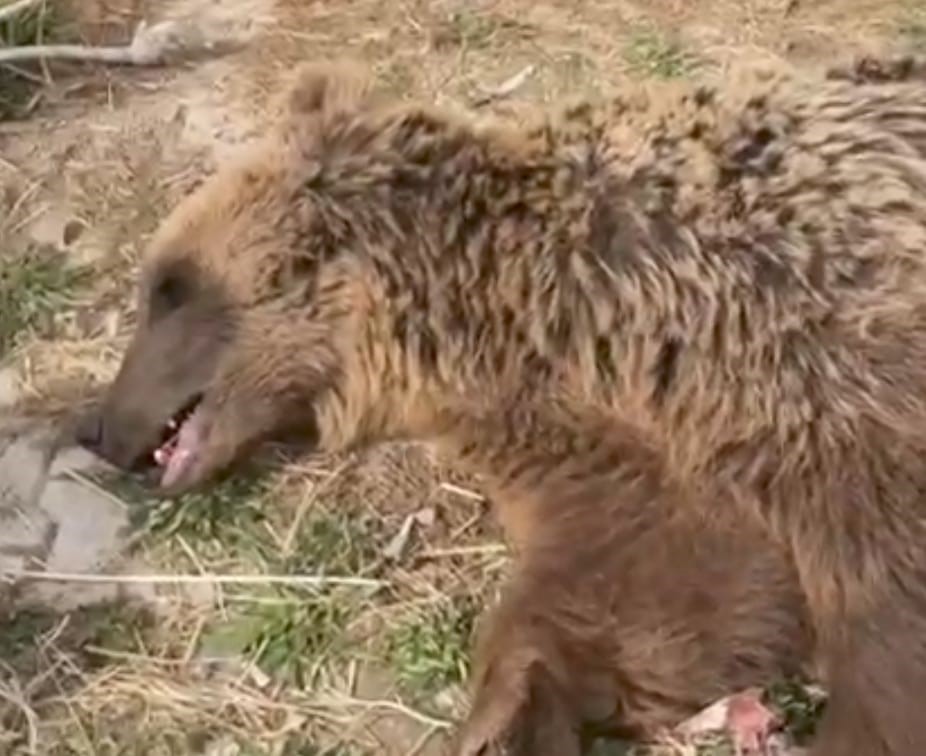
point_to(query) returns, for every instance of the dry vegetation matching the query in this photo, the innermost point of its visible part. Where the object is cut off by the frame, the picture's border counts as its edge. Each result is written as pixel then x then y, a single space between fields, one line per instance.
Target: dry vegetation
pixel 89 159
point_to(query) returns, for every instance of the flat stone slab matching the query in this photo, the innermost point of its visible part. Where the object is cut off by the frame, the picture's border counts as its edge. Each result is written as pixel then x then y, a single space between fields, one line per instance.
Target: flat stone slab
pixel 9 387
pixel 25 456
pixel 53 520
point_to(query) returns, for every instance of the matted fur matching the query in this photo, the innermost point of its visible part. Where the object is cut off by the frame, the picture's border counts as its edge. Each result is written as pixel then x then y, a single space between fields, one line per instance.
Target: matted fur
pixel 735 275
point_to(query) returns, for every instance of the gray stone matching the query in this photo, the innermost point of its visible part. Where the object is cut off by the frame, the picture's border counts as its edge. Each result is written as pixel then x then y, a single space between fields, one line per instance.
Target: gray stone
pixel 90 526
pixel 74 459
pixel 9 387
pixel 25 533
pixel 90 529
pixel 24 462
pixel 63 596
pixel 52 521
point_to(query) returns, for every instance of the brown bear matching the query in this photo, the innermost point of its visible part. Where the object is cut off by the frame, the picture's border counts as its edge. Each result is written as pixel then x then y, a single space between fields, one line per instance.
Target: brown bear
pixel 737 273
pixel 633 603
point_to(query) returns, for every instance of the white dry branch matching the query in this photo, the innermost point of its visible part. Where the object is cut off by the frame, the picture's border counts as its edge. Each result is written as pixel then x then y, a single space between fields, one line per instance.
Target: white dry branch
pixel 308 581
pixel 150 46
pixel 506 88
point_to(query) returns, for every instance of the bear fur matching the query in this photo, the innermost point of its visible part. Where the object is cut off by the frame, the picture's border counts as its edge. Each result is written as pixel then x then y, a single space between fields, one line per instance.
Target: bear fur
pixel 733 276
pixel 633 602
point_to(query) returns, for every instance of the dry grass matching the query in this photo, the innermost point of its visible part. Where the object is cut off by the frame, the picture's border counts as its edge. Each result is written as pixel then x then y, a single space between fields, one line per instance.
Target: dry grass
pixel 261 668
pixel 282 667
pixel 23 88
pixel 69 300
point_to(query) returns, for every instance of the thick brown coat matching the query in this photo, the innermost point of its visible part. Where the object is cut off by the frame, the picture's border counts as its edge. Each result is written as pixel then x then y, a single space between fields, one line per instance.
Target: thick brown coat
pixel 736 275
pixel 633 604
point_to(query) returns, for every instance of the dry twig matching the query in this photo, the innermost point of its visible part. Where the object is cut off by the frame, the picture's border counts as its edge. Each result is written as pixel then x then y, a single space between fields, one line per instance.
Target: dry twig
pixel 311 581
pixel 12 694
pixel 150 46
pixel 506 88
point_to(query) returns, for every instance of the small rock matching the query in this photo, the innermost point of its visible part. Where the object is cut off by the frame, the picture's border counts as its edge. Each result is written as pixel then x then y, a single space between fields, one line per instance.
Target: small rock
pixel 225 746
pixel 12 563
pixel 91 526
pixel 76 459
pixel 90 532
pixel 72 231
pixel 9 387
pixel 48 228
pixel 24 535
pixel 426 517
pixel 24 465
pixel 66 597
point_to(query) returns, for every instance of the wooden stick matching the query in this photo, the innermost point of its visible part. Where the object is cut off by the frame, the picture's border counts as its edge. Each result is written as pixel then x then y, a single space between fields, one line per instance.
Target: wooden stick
pixel 315 581
pixel 150 47
pixel 506 88
pixel 81 53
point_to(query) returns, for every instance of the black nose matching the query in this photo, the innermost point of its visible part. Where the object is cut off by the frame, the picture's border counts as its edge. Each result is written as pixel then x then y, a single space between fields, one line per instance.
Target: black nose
pixel 89 432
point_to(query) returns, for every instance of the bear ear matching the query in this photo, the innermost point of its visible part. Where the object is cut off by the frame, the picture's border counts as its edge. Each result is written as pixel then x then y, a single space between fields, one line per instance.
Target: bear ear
pixel 320 90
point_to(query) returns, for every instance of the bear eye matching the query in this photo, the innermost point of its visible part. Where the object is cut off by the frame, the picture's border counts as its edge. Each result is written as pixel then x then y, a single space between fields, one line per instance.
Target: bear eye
pixel 169 293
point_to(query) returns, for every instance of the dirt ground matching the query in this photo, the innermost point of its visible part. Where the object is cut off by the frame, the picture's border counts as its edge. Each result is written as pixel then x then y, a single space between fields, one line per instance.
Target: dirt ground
pixel 90 159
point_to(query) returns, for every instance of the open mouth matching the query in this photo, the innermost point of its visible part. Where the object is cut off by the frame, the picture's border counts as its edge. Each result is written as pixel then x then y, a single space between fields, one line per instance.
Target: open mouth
pixel 181 440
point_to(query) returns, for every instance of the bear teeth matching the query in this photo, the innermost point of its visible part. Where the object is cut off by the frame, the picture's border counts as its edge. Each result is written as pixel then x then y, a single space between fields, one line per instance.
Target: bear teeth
pixel 171 434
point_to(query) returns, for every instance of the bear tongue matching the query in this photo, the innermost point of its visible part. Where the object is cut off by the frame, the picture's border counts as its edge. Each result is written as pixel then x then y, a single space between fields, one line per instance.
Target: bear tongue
pixel 184 451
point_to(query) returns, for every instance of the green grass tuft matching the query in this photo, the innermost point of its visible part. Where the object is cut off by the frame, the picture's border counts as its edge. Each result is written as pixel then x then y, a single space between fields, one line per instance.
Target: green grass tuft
pixel 471 29
pixel 912 29
pixel 650 53
pixel 30 26
pixel 430 649
pixel 227 512
pixel 475 30
pixel 41 24
pixel 32 641
pixel 34 288
pixel 800 708
pixel 288 634
pixel 343 542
